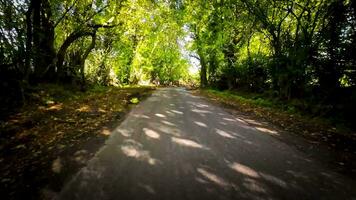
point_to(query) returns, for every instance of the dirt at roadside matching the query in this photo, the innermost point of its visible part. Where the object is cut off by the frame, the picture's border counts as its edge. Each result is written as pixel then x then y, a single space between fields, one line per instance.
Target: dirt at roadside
pixel 44 144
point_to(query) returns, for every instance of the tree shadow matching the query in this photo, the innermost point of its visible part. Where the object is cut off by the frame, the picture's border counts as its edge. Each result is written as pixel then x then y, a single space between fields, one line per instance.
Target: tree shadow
pixel 186 148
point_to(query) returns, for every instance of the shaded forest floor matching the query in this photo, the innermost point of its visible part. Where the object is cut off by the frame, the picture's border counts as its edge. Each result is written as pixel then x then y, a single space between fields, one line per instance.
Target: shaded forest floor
pixel 48 140
pixel 334 146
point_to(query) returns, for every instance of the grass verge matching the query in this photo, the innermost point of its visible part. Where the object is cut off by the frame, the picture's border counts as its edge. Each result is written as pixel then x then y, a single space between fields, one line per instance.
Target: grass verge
pixel 317 131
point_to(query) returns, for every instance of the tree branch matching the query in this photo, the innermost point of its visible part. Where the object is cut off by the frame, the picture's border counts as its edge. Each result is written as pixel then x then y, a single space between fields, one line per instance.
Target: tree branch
pixel 64 14
pixel 194 56
pixel 97 26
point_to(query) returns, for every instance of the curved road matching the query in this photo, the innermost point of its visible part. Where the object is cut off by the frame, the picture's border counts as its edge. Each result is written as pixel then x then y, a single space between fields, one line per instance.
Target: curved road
pixel 177 146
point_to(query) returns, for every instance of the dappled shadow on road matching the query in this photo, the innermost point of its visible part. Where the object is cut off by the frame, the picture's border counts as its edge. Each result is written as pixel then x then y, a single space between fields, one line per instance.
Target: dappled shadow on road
pixel 180 147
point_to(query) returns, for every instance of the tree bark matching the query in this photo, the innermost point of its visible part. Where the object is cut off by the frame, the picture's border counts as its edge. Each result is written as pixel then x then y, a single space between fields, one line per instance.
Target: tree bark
pixel 63 49
pixel 36 21
pixel 84 57
pixel 40 40
pixel 203 79
pixel 29 38
pixel 47 42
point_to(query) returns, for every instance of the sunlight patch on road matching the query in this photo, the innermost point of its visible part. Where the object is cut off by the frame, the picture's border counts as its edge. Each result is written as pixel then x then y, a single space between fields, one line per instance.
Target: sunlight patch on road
pixel 273 180
pixel 168 130
pixel 187 143
pixel 130 151
pixel 241 120
pixel 245 170
pixel 201 124
pixel 200 105
pixel 168 123
pixel 200 180
pixel 229 119
pixel 177 112
pixel 250 121
pixel 254 186
pixel 160 115
pixel 248 142
pixel 266 130
pixel 125 132
pixel 224 134
pixel 141 116
pixel 247 127
pixel 213 177
pixel 151 133
pixel 169 113
pixel 148 188
pixel 201 111
pixel 134 149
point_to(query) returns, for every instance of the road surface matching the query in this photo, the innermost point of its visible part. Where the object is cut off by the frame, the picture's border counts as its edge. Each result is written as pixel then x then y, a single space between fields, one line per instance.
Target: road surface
pixel 178 146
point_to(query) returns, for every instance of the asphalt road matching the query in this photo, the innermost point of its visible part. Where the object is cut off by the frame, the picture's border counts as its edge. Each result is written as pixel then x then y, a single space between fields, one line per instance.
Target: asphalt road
pixel 177 146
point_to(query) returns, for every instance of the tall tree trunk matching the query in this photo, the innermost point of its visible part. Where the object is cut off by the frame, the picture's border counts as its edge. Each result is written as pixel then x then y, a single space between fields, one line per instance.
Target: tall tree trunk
pixel 47 42
pixel 331 71
pixel 29 38
pixel 36 21
pixel 42 38
pixel 84 57
pixel 229 54
pixel 203 79
pixel 63 49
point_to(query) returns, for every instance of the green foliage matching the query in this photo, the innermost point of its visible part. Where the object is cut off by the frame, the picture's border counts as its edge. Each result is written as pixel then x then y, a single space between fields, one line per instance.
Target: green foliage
pixel 252 99
pixel 290 49
pixel 98 42
pixel 301 49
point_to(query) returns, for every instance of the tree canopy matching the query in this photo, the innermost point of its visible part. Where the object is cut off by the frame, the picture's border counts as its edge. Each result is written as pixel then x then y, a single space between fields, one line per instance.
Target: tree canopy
pixel 292 49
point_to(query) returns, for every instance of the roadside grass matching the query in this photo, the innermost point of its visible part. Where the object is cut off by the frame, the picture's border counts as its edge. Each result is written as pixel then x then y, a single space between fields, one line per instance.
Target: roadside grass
pixel 295 108
pixel 286 116
pixel 254 99
pixel 55 133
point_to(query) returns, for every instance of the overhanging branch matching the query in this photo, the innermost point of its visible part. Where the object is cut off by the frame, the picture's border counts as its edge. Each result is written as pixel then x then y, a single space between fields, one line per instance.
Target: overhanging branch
pixel 194 56
pixel 97 26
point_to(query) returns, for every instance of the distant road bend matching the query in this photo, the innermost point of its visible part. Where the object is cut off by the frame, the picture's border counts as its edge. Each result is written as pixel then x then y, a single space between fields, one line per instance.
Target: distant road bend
pixel 177 146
